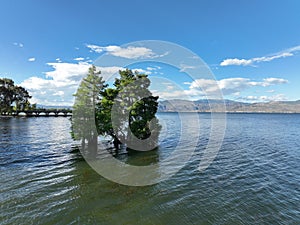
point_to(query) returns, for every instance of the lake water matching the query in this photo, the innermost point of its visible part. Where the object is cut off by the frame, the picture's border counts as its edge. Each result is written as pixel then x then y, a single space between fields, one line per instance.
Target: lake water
pixel 255 178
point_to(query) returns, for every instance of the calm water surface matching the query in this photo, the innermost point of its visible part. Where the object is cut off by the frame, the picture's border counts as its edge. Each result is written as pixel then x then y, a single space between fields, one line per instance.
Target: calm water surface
pixel 255 178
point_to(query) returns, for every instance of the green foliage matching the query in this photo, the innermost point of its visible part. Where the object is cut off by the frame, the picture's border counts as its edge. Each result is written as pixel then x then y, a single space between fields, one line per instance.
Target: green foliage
pixel 135 108
pixel 87 96
pixel 129 102
pixel 12 94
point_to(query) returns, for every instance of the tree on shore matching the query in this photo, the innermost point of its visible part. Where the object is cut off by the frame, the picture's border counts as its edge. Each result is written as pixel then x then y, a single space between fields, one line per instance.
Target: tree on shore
pixel 12 97
pixel 130 103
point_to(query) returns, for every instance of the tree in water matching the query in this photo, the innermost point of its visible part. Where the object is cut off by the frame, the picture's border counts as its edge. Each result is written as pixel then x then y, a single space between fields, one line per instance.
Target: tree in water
pixel 125 112
pixel 87 96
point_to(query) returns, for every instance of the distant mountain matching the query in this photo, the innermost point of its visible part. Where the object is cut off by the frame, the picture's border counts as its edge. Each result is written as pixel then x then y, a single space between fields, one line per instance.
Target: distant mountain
pixel 53 107
pixel 215 105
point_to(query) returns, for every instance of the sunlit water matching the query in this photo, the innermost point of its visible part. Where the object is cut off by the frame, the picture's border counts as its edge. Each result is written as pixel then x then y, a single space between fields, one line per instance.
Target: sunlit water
pixel 255 178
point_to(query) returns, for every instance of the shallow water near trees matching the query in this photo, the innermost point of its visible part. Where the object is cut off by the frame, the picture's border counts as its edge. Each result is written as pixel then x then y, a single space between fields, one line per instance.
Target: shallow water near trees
pixel 253 180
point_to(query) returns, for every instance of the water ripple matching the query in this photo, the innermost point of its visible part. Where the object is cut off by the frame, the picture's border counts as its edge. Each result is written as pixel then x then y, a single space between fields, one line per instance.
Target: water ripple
pixel 253 180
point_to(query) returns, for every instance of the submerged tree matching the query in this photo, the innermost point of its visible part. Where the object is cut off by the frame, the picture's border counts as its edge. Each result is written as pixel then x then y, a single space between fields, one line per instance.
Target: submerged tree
pixel 125 112
pixel 87 97
pixel 132 109
pixel 11 94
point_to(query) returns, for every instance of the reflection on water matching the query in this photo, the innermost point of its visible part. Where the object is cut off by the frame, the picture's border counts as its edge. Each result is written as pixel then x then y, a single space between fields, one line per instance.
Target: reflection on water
pixel 254 179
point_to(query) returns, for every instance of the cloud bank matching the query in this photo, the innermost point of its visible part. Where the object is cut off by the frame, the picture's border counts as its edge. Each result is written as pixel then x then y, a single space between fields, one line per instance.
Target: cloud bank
pixel 214 89
pixel 129 52
pixel 248 62
pixel 61 83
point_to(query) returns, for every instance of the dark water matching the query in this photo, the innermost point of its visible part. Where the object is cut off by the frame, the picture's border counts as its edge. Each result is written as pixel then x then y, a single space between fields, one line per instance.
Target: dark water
pixel 255 178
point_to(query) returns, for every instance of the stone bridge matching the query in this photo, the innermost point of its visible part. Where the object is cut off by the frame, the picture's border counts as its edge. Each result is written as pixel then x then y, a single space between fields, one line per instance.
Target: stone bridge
pixel 43 112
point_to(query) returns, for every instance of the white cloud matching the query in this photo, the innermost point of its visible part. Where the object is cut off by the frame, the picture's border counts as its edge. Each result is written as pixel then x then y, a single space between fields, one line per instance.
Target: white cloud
pixel 59 93
pixel 35 83
pixel 67 71
pixel 187 83
pixel 211 89
pixel 236 62
pixel 31 59
pixel 151 68
pixel 61 83
pixel 18 44
pixel 130 52
pixel 233 85
pixel 79 59
pixel 270 91
pixel 142 71
pixel 274 81
pixel 184 67
pixel 206 85
pixel 170 87
pixel 248 62
pixel 268 82
pixel 74 72
pixel 165 95
pixel 263 98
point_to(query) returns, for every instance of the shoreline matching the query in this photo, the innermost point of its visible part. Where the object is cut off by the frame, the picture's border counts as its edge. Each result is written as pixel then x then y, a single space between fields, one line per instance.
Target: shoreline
pixel 230 112
pixel 160 112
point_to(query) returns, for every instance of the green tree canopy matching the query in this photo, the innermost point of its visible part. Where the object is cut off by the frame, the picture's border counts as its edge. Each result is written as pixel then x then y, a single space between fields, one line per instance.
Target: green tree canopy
pixel 128 110
pixel 125 112
pixel 11 94
pixel 86 98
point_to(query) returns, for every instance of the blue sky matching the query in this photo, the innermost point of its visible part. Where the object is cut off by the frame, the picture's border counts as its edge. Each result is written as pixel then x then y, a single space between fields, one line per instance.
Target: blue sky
pixel 252 47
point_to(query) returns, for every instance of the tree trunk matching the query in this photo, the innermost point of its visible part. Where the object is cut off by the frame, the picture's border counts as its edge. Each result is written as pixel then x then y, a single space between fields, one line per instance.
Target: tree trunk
pixel 83 143
pixel 116 143
pixel 93 144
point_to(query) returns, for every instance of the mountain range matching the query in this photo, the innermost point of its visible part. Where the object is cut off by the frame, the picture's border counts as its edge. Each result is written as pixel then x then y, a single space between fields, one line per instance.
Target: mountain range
pixel 214 105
